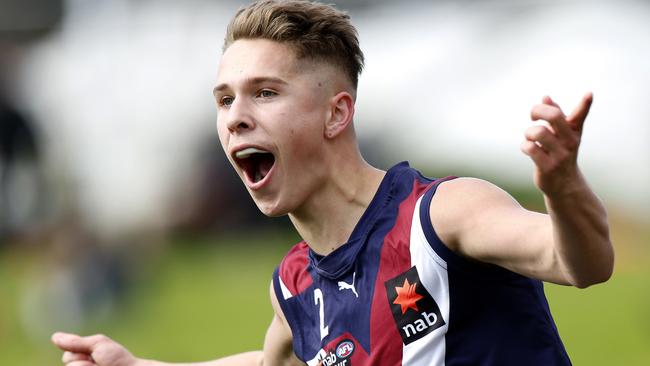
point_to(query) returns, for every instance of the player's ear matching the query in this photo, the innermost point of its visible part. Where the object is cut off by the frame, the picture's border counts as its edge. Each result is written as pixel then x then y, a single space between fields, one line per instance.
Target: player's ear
pixel 340 116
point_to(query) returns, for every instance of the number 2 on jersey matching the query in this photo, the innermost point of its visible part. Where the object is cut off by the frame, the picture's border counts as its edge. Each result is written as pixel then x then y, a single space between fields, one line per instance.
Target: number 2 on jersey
pixel 318 299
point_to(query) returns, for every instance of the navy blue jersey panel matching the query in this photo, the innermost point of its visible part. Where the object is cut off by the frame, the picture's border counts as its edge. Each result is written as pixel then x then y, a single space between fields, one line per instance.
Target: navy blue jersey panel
pixel 500 323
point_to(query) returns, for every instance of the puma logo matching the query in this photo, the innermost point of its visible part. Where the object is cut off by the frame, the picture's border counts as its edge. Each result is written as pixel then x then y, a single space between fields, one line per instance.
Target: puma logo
pixel 346 286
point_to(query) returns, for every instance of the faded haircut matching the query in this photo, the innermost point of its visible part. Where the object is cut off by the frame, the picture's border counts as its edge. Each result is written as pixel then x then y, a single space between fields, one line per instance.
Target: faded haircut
pixel 313 31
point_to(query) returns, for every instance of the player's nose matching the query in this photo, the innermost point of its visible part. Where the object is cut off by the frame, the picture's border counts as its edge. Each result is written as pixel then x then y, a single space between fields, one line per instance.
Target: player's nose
pixel 239 116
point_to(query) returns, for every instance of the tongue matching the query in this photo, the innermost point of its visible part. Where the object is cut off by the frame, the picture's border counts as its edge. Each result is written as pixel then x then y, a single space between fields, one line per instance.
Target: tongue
pixel 264 164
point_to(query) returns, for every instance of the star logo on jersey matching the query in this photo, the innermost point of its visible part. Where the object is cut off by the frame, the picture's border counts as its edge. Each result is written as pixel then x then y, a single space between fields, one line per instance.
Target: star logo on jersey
pixel 407 298
pixel 415 311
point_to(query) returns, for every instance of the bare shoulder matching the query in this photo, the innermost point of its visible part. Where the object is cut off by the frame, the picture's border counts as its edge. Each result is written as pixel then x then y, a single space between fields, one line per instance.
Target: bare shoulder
pixel 459 203
pixel 464 188
pixel 465 196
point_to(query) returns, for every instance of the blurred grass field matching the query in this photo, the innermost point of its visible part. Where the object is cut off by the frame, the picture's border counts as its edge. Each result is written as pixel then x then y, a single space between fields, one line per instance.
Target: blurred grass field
pixel 204 298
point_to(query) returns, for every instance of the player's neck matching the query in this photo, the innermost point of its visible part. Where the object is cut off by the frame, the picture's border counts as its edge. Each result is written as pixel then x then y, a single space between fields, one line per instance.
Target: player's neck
pixel 326 220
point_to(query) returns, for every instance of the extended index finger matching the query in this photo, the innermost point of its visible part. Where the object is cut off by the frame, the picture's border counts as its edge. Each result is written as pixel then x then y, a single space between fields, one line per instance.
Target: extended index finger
pixel 579 114
pixel 75 343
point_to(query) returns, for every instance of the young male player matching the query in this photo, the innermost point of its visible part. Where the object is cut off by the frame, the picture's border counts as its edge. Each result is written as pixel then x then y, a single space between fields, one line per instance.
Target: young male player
pixel 395 268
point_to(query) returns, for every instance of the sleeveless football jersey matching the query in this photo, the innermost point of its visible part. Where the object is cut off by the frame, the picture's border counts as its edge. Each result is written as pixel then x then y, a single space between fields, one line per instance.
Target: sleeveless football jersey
pixel 394 294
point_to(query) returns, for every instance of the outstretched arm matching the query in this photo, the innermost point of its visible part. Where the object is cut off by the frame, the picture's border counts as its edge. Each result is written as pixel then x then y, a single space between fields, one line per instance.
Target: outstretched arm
pixel 579 219
pixel 99 350
pixel 570 245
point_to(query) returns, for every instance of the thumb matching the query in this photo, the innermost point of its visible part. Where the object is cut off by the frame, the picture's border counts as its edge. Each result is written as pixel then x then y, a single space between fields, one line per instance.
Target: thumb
pixel 75 343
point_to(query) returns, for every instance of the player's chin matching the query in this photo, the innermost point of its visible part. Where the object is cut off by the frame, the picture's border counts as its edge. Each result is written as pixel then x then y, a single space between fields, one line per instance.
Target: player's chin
pixel 270 208
pixel 273 213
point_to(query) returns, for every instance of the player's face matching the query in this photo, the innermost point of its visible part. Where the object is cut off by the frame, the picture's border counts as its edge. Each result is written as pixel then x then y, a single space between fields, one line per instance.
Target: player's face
pixel 270 119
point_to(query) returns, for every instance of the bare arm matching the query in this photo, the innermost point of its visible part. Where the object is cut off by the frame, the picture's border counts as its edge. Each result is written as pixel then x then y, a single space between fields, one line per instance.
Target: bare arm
pixel 570 245
pixel 99 350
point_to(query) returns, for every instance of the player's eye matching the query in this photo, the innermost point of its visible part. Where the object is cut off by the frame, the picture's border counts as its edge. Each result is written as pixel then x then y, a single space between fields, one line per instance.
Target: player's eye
pixel 265 93
pixel 226 101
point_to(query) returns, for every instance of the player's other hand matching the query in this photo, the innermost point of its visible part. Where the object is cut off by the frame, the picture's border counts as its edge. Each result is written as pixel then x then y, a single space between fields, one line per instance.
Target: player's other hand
pixel 554 146
pixel 95 350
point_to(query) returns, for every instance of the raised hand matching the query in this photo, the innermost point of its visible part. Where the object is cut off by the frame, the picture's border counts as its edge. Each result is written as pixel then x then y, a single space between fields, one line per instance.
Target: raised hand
pixel 554 147
pixel 96 350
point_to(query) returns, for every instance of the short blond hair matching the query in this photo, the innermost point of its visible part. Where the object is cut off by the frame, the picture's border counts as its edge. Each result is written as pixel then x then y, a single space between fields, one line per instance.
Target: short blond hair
pixel 312 30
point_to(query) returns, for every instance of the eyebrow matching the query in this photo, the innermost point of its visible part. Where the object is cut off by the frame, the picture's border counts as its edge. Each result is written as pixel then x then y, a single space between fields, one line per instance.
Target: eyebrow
pixel 252 81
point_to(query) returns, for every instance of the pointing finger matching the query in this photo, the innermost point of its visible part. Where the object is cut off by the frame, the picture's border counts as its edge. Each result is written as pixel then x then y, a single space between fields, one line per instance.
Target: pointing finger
pixel 75 343
pixel 71 342
pixel 578 116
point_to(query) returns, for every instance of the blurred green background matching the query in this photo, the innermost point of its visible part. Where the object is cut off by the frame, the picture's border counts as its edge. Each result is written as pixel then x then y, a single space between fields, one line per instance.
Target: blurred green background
pixel 205 297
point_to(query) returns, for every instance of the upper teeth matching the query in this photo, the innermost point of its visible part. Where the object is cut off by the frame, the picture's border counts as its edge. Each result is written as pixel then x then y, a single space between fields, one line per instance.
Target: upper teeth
pixel 242 154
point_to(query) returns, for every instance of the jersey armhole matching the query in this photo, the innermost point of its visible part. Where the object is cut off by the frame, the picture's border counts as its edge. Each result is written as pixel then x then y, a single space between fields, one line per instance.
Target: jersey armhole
pixel 293 321
pixel 453 259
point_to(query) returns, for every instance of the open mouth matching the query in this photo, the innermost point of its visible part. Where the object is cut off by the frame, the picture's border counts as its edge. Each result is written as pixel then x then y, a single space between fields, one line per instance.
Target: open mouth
pixel 255 163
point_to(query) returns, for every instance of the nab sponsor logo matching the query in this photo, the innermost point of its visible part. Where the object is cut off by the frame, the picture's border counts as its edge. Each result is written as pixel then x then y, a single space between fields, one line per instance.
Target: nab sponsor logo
pixel 427 321
pixel 415 312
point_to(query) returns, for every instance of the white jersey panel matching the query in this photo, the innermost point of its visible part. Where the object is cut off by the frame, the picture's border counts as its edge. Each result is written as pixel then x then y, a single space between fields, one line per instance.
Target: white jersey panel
pixel 286 294
pixel 429 350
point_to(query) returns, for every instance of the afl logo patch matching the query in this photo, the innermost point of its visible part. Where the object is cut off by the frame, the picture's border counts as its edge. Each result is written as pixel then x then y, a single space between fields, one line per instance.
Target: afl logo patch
pixel 336 356
pixel 344 349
